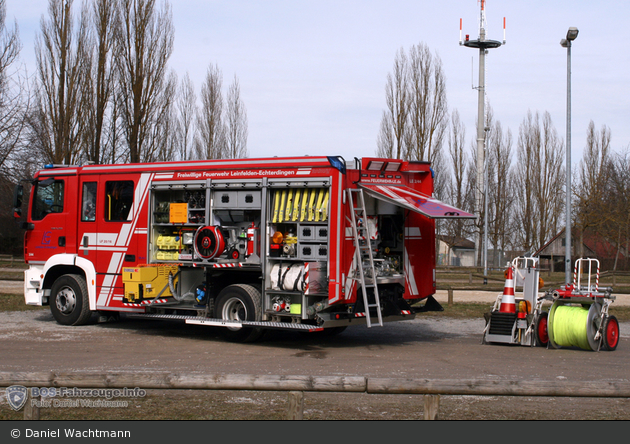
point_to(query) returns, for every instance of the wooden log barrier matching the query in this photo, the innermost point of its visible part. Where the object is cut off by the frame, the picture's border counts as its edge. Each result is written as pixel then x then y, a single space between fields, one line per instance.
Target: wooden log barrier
pixel 165 380
pixel 500 387
pixel 297 385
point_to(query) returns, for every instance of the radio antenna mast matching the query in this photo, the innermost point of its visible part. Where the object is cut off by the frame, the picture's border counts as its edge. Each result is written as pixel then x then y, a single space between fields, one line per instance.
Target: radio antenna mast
pixel 483 45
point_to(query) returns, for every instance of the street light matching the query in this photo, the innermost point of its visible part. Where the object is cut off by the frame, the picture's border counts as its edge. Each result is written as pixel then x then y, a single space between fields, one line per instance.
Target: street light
pixel 572 34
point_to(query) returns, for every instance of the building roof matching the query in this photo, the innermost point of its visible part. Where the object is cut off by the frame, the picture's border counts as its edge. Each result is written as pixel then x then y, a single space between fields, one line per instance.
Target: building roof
pixel 456 242
pixel 595 243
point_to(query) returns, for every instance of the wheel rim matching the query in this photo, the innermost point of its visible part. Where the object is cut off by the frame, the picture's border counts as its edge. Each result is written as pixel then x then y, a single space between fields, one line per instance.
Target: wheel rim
pixel 66 300
pixel 234 310
pixel 543 335
pixel 612 333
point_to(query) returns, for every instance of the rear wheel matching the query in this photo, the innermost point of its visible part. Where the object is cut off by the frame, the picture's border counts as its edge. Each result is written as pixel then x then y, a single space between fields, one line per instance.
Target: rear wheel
pixel 240 302
pixel 542 334
pixel 611 333
pixel 69 302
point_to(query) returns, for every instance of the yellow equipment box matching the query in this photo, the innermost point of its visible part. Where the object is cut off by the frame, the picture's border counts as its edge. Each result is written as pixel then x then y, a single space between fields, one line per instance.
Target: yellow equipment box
pixel 146 282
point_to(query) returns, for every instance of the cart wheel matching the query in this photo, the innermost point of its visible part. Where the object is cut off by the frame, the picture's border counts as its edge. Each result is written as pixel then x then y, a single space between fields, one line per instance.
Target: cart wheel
pixel 542 334
pixel 611 333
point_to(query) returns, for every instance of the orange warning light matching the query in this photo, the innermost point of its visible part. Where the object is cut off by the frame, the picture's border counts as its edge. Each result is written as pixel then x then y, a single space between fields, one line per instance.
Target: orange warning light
pixel 277 238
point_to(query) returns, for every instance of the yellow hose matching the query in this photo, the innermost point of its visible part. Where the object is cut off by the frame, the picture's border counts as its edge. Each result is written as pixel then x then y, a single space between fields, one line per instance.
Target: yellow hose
pixel 568 326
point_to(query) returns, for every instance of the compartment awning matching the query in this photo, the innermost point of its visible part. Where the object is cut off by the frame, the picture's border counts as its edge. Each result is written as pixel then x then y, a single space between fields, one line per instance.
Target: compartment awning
pixel 415 201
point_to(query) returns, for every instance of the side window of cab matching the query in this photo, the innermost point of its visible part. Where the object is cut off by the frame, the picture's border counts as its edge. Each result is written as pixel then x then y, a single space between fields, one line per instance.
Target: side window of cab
pixel 47 198
pixel 118 200
pixel 88 202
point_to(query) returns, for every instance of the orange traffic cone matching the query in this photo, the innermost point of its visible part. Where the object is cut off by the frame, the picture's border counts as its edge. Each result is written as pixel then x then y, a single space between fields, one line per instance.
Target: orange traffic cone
pixel 508 303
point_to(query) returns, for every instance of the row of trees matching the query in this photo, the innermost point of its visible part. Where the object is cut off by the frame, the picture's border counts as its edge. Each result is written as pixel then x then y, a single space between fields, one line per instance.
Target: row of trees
pixel 103 92
pixel 526 177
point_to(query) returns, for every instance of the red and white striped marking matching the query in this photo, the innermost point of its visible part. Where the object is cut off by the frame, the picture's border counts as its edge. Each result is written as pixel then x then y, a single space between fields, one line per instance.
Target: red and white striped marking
pixel 145 303
pixel 231 265
pixel 508 303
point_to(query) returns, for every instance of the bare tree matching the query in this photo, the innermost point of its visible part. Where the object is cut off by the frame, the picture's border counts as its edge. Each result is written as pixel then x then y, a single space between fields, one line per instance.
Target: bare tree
pixel 13 98
pixel 210 140
pixel 539 183
pixel 99 85
pixel 414 123
pixel 428 109
pixel 391 138
pixel 62 59
pixel 187 113
pixel 500 195
pixel 416 117
pixel 592 184
pixel 617 204
pixel 236 123
pixel 145 44
pixel 457 186
pixel 164 132
pixel 115 141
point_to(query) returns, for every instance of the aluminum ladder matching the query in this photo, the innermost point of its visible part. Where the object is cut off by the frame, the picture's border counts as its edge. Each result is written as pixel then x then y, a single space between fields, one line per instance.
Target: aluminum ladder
pixel 364 250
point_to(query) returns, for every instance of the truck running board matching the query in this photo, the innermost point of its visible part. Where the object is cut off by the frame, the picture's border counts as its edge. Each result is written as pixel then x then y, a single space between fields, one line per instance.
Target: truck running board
pixel 222 323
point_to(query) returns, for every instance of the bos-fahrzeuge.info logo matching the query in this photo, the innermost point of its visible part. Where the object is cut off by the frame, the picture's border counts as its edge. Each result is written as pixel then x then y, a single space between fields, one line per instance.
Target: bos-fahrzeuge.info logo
pixel 17 396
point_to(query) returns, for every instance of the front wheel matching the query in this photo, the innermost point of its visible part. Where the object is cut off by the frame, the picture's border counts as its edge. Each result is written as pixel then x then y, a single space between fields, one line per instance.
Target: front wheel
pixel 240 302
pixel 69 302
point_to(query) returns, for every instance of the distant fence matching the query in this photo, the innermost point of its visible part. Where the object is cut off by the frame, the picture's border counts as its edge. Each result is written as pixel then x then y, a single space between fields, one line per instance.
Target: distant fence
pixel 296 386
pixel 8 258
pixel 472 278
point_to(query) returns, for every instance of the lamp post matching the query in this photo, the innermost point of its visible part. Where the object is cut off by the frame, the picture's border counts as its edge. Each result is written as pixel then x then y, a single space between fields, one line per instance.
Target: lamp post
pixel 572 34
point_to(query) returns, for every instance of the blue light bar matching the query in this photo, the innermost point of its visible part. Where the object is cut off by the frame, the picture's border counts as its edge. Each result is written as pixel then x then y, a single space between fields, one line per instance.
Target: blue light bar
pixel 338 163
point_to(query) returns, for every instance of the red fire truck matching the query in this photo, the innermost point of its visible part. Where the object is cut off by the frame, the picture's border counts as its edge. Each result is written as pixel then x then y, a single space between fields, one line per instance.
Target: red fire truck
pixel 307 243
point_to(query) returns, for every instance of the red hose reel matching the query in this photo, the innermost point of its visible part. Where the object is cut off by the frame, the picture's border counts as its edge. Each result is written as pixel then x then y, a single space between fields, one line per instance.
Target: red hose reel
pixel 209 242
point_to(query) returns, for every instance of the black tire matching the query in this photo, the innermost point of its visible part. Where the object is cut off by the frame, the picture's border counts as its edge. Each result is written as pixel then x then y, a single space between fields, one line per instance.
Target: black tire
pixel 541 329
pixel 69 302
pixel 240 302
pixel 611 333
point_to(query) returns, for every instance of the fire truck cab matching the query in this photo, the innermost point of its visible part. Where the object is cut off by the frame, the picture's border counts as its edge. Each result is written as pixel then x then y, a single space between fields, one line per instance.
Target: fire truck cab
pixel 307 243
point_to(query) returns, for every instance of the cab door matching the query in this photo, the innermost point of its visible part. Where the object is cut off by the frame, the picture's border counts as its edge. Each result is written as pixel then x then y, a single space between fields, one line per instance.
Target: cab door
pixel 88 211
pixel 50 203
pixel 120 232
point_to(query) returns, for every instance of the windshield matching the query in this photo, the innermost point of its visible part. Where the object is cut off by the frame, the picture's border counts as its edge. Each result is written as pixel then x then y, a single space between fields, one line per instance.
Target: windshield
pixel 48 198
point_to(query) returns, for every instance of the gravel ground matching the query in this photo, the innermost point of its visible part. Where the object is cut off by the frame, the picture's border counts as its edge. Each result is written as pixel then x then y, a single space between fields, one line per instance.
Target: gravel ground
pixel 426 348
pixel 433 347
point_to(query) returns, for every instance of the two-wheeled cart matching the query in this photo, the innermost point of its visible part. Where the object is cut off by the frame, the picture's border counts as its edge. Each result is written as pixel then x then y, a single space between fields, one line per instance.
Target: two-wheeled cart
pixel 577 313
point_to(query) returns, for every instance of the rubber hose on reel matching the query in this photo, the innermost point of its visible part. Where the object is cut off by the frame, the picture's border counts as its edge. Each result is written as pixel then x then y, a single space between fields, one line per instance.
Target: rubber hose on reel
pixel 573 326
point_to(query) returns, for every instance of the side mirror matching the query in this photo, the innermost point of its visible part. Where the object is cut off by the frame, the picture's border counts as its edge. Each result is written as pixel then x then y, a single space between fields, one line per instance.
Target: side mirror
pixel 18 195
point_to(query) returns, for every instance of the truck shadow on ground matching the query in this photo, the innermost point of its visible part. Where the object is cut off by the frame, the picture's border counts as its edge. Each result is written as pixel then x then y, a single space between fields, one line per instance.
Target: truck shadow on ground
pixel 423 330
pixel 399 333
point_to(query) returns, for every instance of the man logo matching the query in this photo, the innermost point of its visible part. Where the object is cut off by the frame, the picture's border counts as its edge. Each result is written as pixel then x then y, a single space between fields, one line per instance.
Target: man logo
pixel 17 396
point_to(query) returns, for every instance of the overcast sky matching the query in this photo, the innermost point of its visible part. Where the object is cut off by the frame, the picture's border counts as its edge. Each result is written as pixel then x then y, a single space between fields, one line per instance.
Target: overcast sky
pixel 313 73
